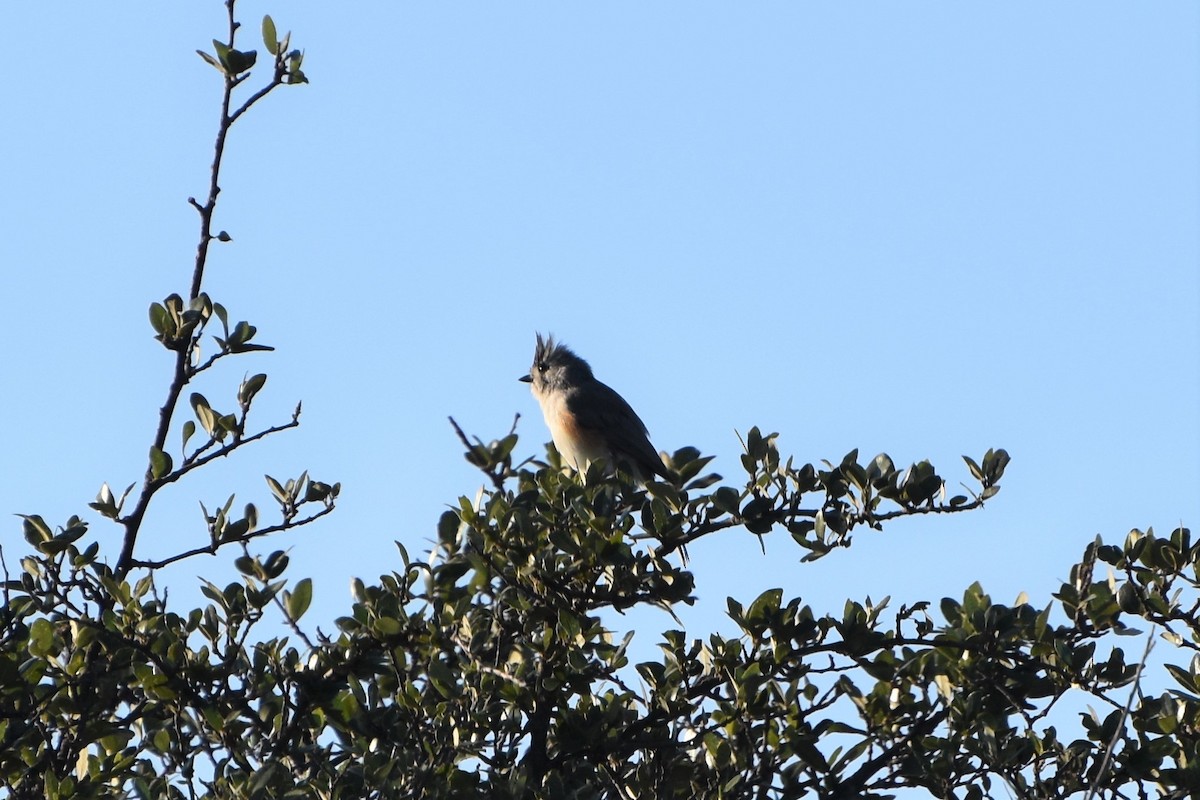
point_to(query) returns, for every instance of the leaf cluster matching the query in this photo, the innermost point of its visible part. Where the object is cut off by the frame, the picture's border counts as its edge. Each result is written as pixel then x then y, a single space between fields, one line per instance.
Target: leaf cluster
pixel 498 666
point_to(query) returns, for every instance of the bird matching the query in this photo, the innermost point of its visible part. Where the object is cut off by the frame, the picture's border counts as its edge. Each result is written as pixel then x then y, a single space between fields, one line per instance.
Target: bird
pixel 588 420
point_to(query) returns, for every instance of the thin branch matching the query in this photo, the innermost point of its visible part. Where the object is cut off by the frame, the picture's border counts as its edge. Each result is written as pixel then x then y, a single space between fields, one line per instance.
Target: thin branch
pixel 783 516
pixel 133 522
pixel 214 186
pixel 1112 743
pixel 260 94
pixel 462 436
pixel 224 451
pixel 194 371
pixel 615 782
pixel 183 371
pixel 856 783
pixel 499 673
pixel 212 548
pixel 908 512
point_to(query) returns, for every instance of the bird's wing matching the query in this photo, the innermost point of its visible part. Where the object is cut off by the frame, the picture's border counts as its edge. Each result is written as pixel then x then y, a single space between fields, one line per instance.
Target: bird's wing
pixel 597 407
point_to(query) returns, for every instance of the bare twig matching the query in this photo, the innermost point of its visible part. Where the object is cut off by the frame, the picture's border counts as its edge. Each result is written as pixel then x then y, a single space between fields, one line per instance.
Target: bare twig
pixel 462 436
pixel 214 187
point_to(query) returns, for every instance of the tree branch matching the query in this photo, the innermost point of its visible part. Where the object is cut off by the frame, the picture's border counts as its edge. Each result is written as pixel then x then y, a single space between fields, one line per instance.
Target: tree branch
pixel 856 783
pixel 188 466
pixel 182 371
pixel 212 548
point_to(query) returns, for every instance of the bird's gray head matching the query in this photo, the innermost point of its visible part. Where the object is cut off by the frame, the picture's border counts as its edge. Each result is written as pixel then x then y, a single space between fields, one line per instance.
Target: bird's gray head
pixel 556 367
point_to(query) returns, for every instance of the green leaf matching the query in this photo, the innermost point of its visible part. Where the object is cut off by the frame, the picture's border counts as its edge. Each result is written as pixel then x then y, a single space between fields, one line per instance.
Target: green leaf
pixel 294 486
pixel 222 51
pixel 204 413
pixel 36 529
pixel 235 531
pixel 1183 677
pixel 270 38
pixel 703 482
pixel 243 332
pixel 216 64
pixel 316 491
pixel 160 463
pixel 249 388
pixel 202 304
pixel 41 637
pixel 994 463
pixel 880 467
pixel 447 528
pixel 734 610
pixel 105 504
pixel 240 61
pixel 754 443
pixel 765 604
pixel 277 489
pixel 88 555
pixel 756 516
pixel 442 678
pixel 158 317
pixel 189 428
pixel 951 610
pixel 727 499
pixel 976 472
pixel 300 599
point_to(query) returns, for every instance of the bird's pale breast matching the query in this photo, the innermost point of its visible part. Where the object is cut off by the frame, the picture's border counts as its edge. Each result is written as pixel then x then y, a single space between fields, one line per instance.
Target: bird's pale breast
pixel 578 446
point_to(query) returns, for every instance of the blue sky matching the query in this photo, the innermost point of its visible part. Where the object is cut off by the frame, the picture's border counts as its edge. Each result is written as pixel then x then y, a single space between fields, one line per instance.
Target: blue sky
pixel 923 228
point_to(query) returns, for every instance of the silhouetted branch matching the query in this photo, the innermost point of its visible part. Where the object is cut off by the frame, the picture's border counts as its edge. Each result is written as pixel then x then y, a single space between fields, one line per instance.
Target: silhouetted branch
pixel 212 548
pixel 183 371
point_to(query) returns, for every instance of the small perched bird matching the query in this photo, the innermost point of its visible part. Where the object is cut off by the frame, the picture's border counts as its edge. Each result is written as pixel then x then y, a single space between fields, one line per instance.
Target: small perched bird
pixel 587 419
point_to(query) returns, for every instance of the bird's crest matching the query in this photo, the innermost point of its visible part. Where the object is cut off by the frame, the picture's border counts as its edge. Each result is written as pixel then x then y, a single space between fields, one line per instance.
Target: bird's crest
pixel 552 353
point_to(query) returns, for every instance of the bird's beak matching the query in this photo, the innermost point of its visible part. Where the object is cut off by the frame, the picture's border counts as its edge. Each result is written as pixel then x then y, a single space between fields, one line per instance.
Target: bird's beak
pixel 526 379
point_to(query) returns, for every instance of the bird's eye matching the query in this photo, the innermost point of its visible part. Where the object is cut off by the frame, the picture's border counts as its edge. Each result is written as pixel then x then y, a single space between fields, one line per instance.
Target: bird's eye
pixel 541 366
